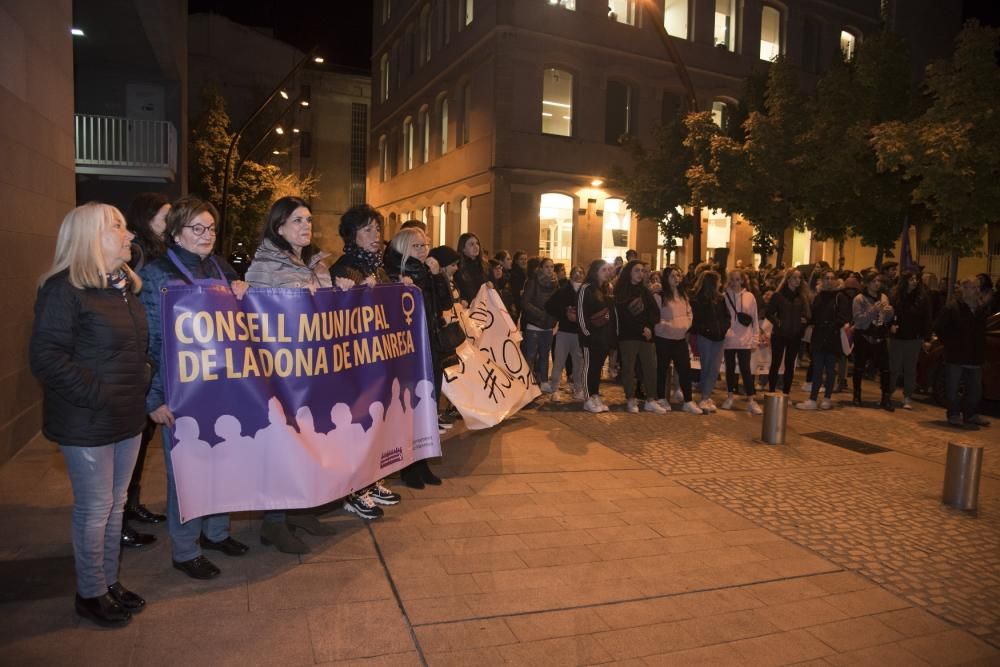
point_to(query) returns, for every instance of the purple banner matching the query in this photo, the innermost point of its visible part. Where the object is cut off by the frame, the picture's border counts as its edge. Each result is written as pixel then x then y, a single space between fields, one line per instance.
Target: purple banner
pixel 287 399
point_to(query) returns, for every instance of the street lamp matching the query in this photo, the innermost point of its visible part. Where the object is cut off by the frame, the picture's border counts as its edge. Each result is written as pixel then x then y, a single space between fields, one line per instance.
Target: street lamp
pixel 278 129
pixel 278 90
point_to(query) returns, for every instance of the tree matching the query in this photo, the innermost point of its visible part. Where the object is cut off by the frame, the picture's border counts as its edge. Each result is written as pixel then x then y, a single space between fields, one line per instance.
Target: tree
pixel 258 185
pixel 951 152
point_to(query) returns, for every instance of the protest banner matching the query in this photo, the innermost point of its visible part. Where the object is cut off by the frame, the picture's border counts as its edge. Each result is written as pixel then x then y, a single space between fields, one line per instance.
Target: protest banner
pixel 492 379
pixel 287 399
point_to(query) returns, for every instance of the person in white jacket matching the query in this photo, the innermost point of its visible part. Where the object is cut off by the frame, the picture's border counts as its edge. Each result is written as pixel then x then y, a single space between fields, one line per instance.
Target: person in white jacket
pixel 670 336
pixel 741 339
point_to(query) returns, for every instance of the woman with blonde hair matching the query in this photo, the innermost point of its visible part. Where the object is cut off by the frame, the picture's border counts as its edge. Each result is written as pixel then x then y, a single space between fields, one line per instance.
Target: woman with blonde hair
pixel 742 337
pixel 88 351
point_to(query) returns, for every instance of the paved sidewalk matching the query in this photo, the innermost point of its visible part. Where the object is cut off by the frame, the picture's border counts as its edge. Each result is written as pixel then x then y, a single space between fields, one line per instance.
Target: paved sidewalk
pixel 563 538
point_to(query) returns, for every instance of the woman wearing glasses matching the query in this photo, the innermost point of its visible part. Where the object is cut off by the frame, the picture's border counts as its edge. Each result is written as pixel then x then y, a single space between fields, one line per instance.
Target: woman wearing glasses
pixel 286 257
pixel 190 233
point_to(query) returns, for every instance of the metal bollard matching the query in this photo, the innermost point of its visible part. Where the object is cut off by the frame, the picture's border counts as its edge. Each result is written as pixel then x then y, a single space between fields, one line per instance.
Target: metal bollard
pixel 961 476
pixel 775 417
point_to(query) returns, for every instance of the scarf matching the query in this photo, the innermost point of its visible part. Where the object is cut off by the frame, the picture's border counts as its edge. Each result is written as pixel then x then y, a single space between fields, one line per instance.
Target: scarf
pixel 369 262
pixel 118 280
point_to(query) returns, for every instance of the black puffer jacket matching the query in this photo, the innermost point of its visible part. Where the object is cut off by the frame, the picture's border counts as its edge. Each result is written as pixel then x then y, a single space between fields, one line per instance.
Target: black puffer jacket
pixel 560 305
pixel 786 311
pixel 537 293
pixel 831 310
pixel 88 350
pixel 710 318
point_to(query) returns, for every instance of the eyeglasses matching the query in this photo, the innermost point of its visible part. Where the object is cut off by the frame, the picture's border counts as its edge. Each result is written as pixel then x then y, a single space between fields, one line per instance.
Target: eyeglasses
pixel 199 230
pixel 418 246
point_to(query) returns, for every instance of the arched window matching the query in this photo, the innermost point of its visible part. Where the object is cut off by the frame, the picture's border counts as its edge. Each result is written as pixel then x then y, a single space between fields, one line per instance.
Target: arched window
pixel 675 18
pixel 848 44
pixel 465 131
pixel 565 4
pixel 383 77
pixel 463 215
pixel 424 121
pixel 619 111
pixel 408 144
pixel 617 232
pixel 443 123
pixel 383 159
pixel 557 102
pixel 770 33
pixel 725 24
pixel 720 115
pixel 555 227
pixel 718 230
pixel 469 13
pixel 622 11
pixel 442 224
pixel 425 34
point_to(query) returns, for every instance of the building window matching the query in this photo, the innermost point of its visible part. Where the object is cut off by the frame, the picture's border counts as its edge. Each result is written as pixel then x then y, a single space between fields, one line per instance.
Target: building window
pixel 565 4
pixel 386 10
pixel 619 112
pixel 465 132
pixel 443 125
pixel 359 148
pixel 622 11
pixel 425 216
pixel 383 159
pixel 555 227
pixel 557 103
pixel 720 115
pixel 425 34
pixel 469 11
pixel 811 45
pixel 442 224
pixel 383 77
pixel 725 24
pixel 408 144
pixel 801 247
pixel 848 43
pixel 425 134
pixel 407 54
pixel 770 33
pixel 675 18
pixel 718 230
pixel 446 22
pixel 617 229
pixel 463 215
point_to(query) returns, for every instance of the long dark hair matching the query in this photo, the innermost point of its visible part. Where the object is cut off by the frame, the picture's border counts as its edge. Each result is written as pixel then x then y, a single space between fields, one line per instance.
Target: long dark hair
pixel 902 292
pixel 140 213
pixel 669 293
pixel 466 261
pixel 592 279
pixel 706 287
pixel 624 290
pixel 279 214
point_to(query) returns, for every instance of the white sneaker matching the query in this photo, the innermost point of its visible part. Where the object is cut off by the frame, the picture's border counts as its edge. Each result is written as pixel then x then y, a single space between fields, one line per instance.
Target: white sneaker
pixel 546 387
pixel 632 405
pixel 654 407
pixel 677 396
pixel 554 397
pixel 604 406
pixel 665 404
pixel 580 395
pixel 825 404
pixel 806 405
pixel 712 405
pixel 754 408
pixel 692 407
pixel 590 405
pixel 807 386
pixel 728 403
pixel 906 403
pixel 707 406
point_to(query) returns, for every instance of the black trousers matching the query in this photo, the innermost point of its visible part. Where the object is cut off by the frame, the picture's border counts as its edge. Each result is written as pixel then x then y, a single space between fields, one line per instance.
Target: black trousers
pixel 743 357
pixel 877 353
pixel 136 482
pixel 594 357
pixel 675 351
pixel 787 349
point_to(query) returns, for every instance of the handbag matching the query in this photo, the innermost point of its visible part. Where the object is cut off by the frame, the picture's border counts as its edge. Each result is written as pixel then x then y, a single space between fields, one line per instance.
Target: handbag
pixel 600 318
pixel 847 339
pixel 741 317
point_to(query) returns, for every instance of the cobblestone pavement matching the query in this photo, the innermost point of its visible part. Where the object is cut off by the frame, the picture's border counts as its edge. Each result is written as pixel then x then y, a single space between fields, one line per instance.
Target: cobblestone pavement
pixel 863 513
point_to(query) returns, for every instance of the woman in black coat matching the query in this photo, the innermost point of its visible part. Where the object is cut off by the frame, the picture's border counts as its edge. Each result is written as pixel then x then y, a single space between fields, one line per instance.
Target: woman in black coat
pixel 473 272
pixel 408 258
pixel 788 310
pixel 595 309
pixel 89 352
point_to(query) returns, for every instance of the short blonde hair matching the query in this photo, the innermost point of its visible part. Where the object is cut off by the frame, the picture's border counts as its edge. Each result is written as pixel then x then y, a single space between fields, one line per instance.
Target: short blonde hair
pixel 402 242
pixel 78 247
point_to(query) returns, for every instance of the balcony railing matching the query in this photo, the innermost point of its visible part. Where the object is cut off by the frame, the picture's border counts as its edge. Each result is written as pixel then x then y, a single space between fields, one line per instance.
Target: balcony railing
pixel 125 147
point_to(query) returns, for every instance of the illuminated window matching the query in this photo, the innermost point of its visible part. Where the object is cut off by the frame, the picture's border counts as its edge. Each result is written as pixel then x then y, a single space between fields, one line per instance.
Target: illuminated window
pixel 555 227
pixel 384 77
pixel 565 4
pixel 469 12
pixel 617 229
pixel 719 228
pixel 622 11
pixel 466 129
pixel 675 18
pixel 443 117
pixel 770 33
pixel 557 103
pixel 725 24
pixel 386 10
pixel 425 132
pixel 425 34
pixel 720 115
pixel 801 247
pixel 848 43
pixel 463 215
pixel 383 159
pixel 442 225
pixel 408 144
pixel 619 112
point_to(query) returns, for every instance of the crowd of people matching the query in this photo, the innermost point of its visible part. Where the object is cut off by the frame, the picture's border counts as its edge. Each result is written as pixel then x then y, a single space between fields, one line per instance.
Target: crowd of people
pixel 96 348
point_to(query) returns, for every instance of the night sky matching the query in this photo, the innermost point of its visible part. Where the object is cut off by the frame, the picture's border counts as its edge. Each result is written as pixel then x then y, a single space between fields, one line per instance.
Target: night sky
pixel 342 29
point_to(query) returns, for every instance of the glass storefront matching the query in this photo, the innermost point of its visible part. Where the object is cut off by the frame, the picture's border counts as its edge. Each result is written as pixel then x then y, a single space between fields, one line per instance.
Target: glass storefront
pixel 616 234
pixel 555 227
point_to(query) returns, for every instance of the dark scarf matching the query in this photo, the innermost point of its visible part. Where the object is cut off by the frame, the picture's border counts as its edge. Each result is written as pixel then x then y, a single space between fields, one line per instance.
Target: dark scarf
pixel 369 262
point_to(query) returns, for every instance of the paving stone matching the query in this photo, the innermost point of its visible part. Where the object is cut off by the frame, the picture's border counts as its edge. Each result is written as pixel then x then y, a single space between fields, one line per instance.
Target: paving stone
pixel 728 627
pixel 445 637
pixel 646 640
pixel 569 651
pixel 488 562
pixel 358 630
pixel 950 648
pixel 572 622
pixel 718 655
pixel 558 556
pixel 854 633
pixel 912 622
pixel 877 656
pixel 801 614
pixel 862 603
pixel 481 657
pixel 318 584
pixel 781 649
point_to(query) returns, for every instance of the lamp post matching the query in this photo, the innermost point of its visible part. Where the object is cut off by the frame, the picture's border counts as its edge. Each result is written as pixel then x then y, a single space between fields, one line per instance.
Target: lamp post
pixel 277 121
pixel 223 232
pixel 692 106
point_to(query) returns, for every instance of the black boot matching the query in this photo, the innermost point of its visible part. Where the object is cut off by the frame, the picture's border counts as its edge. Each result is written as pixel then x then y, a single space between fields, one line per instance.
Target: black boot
pixel 133 538
pixel 886 402
pixel 426 475
pixel 136 511
pixel 411 476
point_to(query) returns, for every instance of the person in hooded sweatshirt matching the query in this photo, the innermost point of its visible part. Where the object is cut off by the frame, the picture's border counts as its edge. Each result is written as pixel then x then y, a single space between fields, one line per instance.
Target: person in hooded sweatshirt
pixel 598 328
pixel 910 327
pixel 637 315
pixel 562 305
pixel 537 322
pixel 670 339
pixel 710 322
pixel 788 311
pixel 741 339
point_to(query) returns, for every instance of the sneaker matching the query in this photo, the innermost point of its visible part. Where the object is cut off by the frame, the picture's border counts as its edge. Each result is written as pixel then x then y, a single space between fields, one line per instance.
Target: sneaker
pixel 363 505
pixel 907 405
pixel 591 405
pixel 446 419
pixel 383 495
pixel 632 405
pixel 712 406
pixel 654 407
pixel 807 386
pixel 707 406
pixel 444 424
pixel 677 396
pixel 545 387
pixel 978 420
pixel 728 403
pixel 754 408
pixel 600 402
pixel 579 395
pixel 807 405
pixel 825 404
pixel 665 404
pixel 692 408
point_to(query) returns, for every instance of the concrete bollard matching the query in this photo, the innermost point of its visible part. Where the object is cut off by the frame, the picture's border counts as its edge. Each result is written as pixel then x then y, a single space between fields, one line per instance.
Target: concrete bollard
pixel 775 417
pixel 961 476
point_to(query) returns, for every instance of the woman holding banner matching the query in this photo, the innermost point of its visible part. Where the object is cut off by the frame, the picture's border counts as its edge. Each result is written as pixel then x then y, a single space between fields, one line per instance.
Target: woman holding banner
pixel 88 350
pixel 191 228
pixel 595 309
pixel 408 257
pixel 286 257
pixel 473 271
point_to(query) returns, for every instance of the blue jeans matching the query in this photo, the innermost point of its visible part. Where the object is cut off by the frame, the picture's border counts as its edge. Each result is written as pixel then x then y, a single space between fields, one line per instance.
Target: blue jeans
pixel 824 368
pixel 184 536
pixel 537 343
pixel 972 377
pixel 710 357
pixel 100 477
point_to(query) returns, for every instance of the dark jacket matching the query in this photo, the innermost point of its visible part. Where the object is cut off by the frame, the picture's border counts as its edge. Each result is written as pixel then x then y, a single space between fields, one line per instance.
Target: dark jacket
pixel 434 288
pixel 89 351
pixel 536 294
pixel 471 275
pixel 154 277
pixel 831 310
pixel 963 332
pixel 560 305
pixel 710 318
pixel 349 267
pixel 631 324
pixel 785 311
pixel 912 316
pixel 518 278
pixel 594 333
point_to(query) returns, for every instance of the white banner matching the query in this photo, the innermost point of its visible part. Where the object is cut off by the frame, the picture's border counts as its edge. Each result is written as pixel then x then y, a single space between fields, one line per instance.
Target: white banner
pixel 491 380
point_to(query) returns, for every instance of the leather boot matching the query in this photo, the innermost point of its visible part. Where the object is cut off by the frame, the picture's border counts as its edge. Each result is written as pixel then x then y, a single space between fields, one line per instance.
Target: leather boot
pixel 310 524
pixel 857 395
pixel 411 477
pixel 426 476
pixel 136 511
pixel 280 535
pixel 134 539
